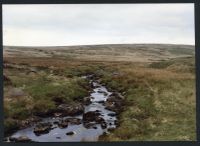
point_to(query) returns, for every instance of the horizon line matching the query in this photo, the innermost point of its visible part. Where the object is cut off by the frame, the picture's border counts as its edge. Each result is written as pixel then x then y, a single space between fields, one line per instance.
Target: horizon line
pixel 99 45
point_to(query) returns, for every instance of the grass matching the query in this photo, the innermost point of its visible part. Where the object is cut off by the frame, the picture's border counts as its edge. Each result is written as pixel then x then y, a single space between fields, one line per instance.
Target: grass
pixel 42 93
pixel 160 103
pixel 45 91
pixel 159 96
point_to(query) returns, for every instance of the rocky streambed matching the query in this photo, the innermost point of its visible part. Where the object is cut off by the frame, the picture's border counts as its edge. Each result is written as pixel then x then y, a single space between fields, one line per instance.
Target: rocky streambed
pixel 83 122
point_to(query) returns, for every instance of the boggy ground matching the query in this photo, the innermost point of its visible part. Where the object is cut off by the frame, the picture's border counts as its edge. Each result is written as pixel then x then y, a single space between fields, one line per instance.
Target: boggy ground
pixel 159 97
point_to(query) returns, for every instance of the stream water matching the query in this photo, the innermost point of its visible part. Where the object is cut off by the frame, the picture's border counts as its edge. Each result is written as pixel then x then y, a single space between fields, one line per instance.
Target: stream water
pixel 81 133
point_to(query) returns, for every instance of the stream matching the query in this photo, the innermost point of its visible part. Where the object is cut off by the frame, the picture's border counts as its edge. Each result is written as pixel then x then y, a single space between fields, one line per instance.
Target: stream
pixel 80 131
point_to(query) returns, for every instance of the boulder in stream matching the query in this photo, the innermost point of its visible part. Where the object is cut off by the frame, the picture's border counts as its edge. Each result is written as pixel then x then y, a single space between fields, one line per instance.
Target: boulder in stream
pixel 74 121
pixel 101 101
pixel 104 125
pixel 89 125
pixel 100 91
pixel 20 139
pixel 90 116
pixel 71 109
pixel 42 128
pixel 63 124
pixel 70 133
pixel 112 114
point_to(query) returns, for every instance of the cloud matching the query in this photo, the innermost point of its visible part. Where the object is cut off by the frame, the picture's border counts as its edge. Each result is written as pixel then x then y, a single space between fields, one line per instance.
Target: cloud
pixel 70 24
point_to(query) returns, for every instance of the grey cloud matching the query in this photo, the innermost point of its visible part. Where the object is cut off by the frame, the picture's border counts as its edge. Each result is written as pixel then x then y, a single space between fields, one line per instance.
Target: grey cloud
pixel 94 24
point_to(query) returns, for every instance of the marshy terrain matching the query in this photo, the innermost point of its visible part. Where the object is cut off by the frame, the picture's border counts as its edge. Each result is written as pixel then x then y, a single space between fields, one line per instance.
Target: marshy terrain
pixel 121 92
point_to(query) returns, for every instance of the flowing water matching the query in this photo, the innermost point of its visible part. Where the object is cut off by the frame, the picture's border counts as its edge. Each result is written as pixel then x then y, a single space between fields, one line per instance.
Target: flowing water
pixel 99 93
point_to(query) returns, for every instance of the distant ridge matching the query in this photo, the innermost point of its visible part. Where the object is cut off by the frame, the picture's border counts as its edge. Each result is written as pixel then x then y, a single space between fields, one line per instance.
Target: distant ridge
pixel 106 52
pixel 144 44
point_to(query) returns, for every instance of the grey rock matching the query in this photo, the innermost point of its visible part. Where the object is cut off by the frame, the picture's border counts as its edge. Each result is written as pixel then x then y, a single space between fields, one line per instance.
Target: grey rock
pixel 70 133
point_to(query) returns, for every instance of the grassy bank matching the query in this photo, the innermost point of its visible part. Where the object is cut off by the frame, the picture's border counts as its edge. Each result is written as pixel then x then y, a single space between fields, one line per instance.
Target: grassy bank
pixel 160 101
pixel 38 93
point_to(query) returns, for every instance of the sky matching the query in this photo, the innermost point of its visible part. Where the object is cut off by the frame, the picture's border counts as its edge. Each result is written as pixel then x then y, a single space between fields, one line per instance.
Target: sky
pixel 88 24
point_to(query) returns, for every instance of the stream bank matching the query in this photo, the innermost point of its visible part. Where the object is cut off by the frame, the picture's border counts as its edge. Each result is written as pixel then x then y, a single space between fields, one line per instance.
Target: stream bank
pixel 83 122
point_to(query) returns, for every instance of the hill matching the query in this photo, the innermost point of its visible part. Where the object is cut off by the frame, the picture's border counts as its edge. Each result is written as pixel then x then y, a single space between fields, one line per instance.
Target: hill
pixel 112 52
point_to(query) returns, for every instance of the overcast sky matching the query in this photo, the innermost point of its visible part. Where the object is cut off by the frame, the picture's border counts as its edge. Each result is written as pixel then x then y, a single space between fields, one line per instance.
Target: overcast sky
pixel 61 25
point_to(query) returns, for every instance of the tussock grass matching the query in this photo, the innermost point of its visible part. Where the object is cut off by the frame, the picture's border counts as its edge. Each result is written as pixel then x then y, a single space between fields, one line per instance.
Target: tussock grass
pixel 41 94
pixel 159 96
pixel 160 104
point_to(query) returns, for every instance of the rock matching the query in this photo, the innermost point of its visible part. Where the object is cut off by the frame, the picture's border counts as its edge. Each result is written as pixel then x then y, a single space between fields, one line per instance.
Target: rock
pixel 71 109
pixel 58 137
pixel 99 91
pixel 75 121
pixel 12 139
pixel 97 86
pixel 57 114
pixel 117 95
pixel 114 99
pixel 28 122
pixel 56 122
pixel 92 97
pixel 103 125
pixel 101 101
pixel 97 111
pixel 88 125
pixel 112 114
pixel 20 139
pixel 105 94
pixel 94 127
pixel 99 119
pixel 63 124
pixel 54 127
pixel 110 106
pixel 70 133
pixel 42 128
pixel 91 85
pixel 87 100
pixel 90 116
pixel 23 139
pixel 46 113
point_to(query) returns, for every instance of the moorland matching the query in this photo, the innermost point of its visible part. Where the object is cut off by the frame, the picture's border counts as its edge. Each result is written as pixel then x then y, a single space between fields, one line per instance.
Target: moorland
pixel 153 86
